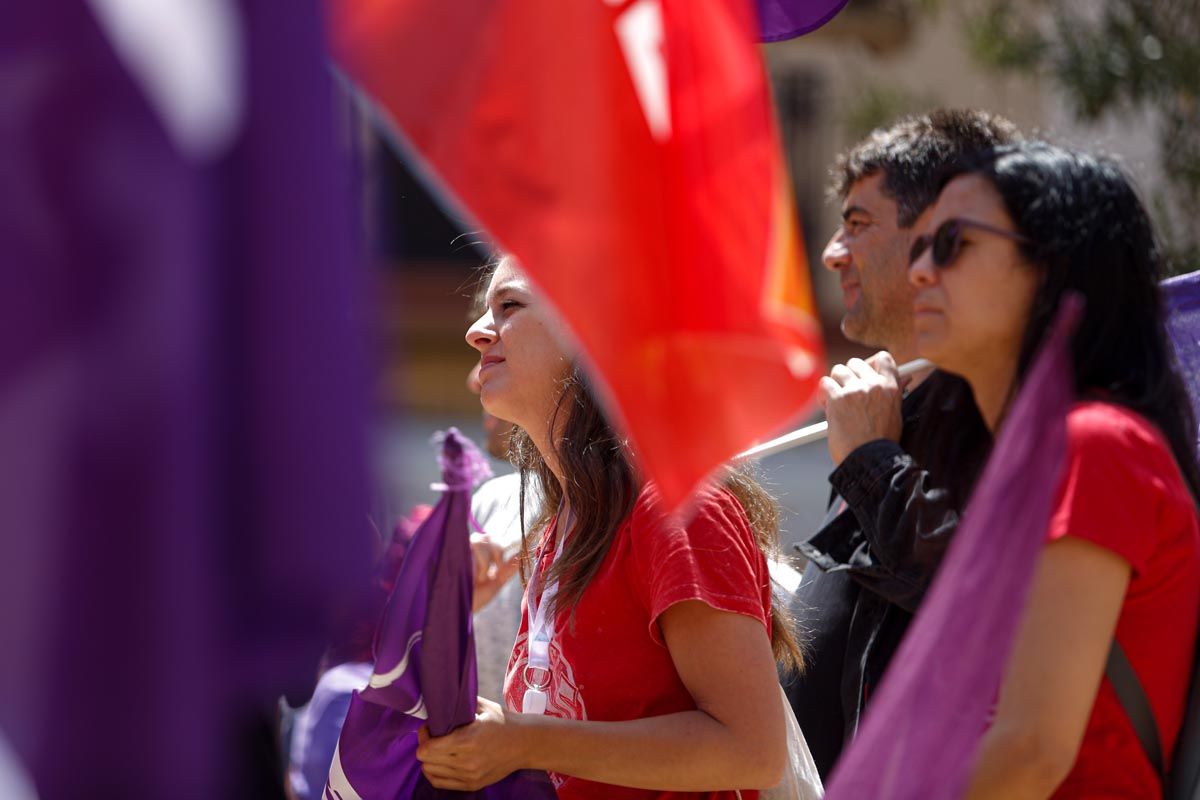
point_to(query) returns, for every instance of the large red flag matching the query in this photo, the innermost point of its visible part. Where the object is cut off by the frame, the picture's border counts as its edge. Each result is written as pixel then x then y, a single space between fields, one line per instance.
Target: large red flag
pixel 626 154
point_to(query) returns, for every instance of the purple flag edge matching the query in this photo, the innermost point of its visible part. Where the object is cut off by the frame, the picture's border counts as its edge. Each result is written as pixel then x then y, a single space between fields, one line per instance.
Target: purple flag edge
pixel 895 756
pixel 1181 307
pixel 779 20
pixel 177 430
pixel 451 694
pixel 447 668
pixel 377 730
pixel 375 751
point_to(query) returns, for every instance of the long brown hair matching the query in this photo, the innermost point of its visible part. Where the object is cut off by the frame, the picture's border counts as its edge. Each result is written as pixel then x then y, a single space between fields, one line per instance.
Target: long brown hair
pixel 603 487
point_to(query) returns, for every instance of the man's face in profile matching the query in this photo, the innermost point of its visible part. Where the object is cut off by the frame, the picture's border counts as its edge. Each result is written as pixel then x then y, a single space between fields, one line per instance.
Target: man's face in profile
pixel 869 252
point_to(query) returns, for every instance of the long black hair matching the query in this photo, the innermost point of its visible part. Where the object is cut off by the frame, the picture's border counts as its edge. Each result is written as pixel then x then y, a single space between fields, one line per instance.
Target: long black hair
pixel 1089 232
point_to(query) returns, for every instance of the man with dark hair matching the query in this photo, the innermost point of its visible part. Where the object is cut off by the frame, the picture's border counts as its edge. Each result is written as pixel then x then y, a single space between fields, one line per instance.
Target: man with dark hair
pixel 884 184
pixel 903 464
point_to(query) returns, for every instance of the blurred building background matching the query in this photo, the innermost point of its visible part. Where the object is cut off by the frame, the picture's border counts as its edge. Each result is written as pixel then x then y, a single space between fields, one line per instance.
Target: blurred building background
pixel 1048 65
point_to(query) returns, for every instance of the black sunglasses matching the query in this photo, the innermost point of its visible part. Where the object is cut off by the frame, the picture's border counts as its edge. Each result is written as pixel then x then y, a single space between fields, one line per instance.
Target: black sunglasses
pixel 946 241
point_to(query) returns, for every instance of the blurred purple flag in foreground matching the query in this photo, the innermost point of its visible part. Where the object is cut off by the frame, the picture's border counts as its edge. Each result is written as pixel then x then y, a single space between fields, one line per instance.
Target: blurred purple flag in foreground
pixel 182 395
pixel 787 19
pixel 920 735
pixel 424 658
pixel 1181 297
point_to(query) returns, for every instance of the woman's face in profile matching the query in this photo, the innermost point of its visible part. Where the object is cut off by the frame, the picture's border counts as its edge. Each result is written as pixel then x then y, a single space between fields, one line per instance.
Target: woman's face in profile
pixel 970 312
pixel 523 360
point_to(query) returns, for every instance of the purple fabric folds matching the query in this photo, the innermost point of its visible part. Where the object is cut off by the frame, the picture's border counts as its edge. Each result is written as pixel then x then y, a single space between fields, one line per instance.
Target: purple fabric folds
pixel 1181 296
pixel 425 672
pixel 787 19
pixel 920 735
pixel 183 402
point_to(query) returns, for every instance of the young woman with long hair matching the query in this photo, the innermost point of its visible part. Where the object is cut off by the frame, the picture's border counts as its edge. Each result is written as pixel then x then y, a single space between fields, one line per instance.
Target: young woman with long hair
pixel 1011 233
pixel 645 666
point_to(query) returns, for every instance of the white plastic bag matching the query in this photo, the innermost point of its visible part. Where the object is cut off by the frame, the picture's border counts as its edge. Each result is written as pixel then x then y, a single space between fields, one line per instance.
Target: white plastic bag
pixel 800 778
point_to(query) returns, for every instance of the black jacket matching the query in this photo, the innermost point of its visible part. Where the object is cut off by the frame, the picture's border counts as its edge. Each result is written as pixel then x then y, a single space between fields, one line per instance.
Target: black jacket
pixel 893 511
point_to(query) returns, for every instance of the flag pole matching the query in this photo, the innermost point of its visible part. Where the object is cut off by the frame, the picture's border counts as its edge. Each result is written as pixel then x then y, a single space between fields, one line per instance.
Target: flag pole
pixel 819 430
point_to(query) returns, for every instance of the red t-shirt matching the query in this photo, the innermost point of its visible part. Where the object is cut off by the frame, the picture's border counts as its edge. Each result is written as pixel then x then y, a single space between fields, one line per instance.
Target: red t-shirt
pixel 613 665
pixel 1123 491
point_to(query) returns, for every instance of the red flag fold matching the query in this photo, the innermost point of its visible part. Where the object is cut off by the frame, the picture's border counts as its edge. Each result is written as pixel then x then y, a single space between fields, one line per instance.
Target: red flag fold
pixel 626 154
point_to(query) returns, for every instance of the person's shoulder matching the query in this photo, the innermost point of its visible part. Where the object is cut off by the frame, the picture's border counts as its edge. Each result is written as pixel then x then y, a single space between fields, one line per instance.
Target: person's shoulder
pixel 1113 442
pixel 707 499
pixel 712 517
pixel 496 507
pixel 496 493
pixel 503 485
pixel 1121 487
pixel 1098 427
pixel 939 391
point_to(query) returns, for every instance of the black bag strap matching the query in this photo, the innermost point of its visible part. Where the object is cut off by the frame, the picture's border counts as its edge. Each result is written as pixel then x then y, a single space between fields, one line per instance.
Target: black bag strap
pixel 1136 706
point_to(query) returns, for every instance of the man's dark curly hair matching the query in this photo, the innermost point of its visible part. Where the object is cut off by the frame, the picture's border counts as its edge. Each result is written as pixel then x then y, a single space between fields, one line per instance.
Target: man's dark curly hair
pixel 913 152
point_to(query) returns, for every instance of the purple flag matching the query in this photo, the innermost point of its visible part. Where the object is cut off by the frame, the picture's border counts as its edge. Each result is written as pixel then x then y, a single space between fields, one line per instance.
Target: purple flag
pixel 1181 296
pixel 787 19
pixel 182 391
pixel 920 735
pixel 424 658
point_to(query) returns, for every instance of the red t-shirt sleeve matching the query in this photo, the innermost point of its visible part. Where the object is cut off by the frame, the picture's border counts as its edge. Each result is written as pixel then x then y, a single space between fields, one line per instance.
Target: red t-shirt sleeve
pixel 1113 488
pixel 714 558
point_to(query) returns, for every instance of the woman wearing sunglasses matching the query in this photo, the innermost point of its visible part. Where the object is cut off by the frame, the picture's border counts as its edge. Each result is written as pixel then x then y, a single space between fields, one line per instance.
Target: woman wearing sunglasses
pixel 1010 233
pixel 644 666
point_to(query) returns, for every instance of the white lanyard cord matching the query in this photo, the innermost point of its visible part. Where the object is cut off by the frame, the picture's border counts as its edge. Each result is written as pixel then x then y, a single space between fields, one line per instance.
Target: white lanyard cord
pixel 539 632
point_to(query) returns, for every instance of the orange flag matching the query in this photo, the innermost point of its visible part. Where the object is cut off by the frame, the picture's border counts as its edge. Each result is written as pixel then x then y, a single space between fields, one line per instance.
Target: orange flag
pixel 626 153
